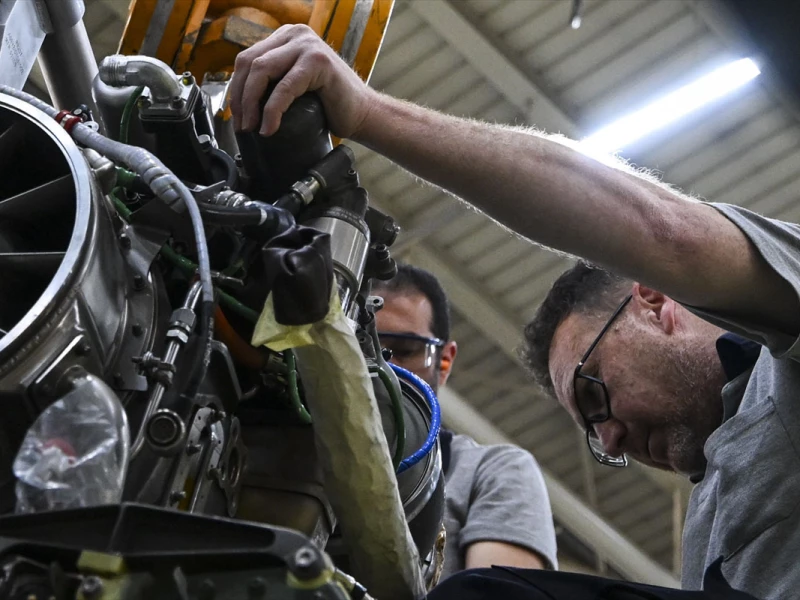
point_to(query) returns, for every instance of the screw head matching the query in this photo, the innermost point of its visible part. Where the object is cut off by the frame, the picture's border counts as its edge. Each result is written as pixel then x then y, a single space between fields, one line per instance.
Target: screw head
pixel 83 348
pixel 176 497
pixel 138 282
pixel 304 557
pixel 125 241
pixel 92 587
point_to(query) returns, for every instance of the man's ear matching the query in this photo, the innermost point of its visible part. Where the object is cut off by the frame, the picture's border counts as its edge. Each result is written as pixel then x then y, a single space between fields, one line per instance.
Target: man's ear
pixel 449 352
pixel 658 309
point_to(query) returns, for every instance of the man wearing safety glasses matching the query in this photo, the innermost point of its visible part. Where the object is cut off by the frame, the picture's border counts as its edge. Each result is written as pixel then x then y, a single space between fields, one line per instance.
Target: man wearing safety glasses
pixel 662 384
pixel 497 510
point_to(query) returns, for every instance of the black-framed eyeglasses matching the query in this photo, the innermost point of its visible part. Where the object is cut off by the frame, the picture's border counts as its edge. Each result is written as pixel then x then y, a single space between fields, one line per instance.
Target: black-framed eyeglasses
pixel 592 400
pixel 410 350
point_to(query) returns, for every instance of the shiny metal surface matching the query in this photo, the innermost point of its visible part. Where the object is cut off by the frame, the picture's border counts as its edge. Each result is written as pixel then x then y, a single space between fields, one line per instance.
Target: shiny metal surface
pixel 118 70
pixel 170 356
pixel 349 250
pixel 87 306
pixel 67 59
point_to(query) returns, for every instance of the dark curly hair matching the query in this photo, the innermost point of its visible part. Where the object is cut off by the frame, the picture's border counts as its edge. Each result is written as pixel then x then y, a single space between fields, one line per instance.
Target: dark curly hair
pixel 415 280
pixel 585 289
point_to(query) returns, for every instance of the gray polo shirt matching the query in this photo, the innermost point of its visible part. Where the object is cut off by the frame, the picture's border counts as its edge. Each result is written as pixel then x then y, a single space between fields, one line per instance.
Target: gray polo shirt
pixel 745 508
pixel 495 493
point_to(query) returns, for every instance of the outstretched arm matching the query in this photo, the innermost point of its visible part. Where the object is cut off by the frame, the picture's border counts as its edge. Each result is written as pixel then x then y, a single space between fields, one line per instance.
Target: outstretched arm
pixel 532 184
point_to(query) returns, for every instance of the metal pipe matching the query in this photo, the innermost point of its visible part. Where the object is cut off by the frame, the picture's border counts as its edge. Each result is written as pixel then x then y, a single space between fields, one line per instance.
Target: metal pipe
pixel 570 510
pixel 67 59
pixel 117 70
pixel 171 354
pixel 163 182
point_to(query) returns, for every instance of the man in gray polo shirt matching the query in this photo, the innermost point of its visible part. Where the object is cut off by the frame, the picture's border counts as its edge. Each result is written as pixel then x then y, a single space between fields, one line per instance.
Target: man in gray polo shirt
pixel 651 386
pixel 721 409
pixel 497 510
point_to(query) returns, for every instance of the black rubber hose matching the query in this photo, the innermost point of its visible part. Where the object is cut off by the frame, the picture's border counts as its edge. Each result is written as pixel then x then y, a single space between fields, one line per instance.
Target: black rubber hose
pixel 256 219
pixel 233 217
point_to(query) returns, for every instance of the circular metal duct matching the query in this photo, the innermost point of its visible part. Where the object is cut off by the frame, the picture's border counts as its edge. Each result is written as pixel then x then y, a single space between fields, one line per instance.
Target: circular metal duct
pixel 65 292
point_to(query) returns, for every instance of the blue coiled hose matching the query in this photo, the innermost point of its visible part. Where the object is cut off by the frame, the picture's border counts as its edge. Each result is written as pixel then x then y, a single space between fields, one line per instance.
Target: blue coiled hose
pixel 436 417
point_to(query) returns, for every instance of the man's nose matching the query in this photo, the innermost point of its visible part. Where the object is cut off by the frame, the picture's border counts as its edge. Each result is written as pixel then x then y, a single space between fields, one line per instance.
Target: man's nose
pixel 611 434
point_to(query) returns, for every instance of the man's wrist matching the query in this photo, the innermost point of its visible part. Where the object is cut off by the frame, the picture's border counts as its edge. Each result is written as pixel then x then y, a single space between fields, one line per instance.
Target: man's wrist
pixel 377 117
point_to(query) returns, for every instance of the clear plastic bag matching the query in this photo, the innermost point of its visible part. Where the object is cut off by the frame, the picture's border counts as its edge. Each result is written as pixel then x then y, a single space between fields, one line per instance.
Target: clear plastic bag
pixel 76 453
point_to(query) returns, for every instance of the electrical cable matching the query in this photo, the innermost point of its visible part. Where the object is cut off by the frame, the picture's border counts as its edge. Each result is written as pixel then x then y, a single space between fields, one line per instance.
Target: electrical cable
pixel 125 121
pixel 397 410
pixel 294 392
pixel 243 352
pixel 163 182
pixel 236 217
pixel 436 417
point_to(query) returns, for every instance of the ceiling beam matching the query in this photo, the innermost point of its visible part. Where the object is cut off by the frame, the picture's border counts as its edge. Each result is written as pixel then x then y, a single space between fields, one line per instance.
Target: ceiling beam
pixel 568 509
pixel 453 22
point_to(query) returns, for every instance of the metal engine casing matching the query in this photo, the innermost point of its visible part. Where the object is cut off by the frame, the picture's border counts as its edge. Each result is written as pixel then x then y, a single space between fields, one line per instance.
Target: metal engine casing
pixel 93 302
pixel 68 297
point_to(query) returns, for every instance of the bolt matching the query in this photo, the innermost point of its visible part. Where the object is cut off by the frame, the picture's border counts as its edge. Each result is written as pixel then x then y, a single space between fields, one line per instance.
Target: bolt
pixel 177 102
pixel 137 330
pixel 193 449
pixel 92 587
pixel 306 564
pixel 176 497
pixel 125 241
pixel 83 348
pixel 164 428
pixel 138 282
pixel 256 587
pixel 118 380
pixel 143 102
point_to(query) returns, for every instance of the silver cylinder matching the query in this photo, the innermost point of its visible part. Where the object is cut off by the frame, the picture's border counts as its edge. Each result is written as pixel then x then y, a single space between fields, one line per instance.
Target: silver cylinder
pixel 349 247
pixel 66 58
pixel 79 305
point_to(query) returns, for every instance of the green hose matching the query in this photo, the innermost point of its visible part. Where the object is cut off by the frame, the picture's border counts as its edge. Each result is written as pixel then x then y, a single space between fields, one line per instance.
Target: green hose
pixel 246 312
pixel 399 418
pixel 123 210
pixel 225 299
pixel 294 392
pixel 125 122
pixel 125 178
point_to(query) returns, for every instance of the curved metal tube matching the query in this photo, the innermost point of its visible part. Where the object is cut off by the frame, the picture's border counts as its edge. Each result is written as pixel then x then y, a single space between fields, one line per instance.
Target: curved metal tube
pixel 161 180
pixel 171 354
pixel 119 71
